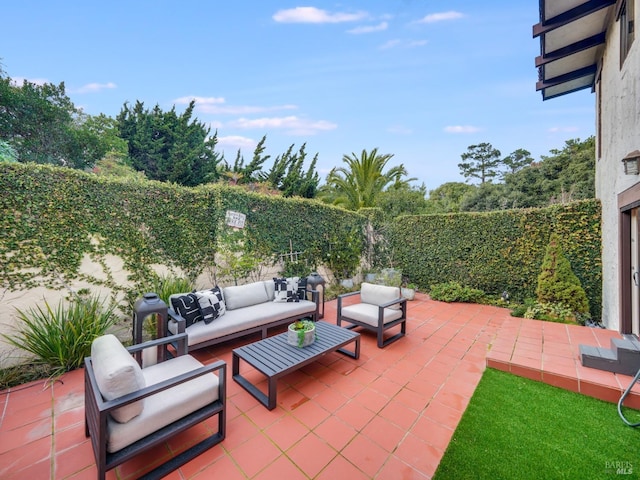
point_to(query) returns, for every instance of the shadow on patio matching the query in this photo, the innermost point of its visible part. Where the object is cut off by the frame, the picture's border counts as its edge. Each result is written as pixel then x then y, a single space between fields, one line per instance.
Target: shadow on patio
pixel 390 414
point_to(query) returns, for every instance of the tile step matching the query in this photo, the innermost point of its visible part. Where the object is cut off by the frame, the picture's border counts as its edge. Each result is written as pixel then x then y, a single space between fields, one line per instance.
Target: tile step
pixel 616 361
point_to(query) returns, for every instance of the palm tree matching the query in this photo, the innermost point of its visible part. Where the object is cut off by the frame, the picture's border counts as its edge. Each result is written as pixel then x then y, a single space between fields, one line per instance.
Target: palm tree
pixel 357 185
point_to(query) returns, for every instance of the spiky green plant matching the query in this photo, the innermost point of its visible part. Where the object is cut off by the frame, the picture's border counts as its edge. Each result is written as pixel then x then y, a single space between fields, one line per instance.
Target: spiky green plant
pixel 61 336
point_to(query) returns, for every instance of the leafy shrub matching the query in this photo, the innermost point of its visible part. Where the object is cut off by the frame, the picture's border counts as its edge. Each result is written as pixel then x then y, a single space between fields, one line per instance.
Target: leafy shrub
pixel 343 257
pixel 295 268
pixel 551 312
pixel 162 285
pixel 389 276
pixel 454 292
pixel 520 310
pixel 557 284
pixel 502 250
pixel 332 290
pixel 61 337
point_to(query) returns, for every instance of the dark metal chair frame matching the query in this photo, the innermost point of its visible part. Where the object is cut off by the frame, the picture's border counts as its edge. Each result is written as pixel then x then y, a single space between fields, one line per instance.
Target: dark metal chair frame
pixel 97 410
pixel 381 327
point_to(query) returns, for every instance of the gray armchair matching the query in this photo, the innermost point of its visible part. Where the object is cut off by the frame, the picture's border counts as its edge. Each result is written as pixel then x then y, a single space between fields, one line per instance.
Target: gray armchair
pixel 379 309
pixel 129 409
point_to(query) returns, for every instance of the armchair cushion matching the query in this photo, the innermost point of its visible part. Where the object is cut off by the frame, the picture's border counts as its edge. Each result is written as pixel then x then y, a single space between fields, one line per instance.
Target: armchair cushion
pixel 367 313
pixel 168 406
pixel 378 294
pixel 117 374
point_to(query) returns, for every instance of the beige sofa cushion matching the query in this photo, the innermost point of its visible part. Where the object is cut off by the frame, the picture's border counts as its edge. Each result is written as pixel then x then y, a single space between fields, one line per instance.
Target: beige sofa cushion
pixel 239 296
pixel 244 318
pixel 117 374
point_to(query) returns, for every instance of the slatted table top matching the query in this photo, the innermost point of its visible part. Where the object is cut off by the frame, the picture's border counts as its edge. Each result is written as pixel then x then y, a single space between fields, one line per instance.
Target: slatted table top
pixel 274 357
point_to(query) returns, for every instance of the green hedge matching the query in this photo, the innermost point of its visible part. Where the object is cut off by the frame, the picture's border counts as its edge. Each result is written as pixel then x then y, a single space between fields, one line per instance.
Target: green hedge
pixel 500 251
pixel 54 216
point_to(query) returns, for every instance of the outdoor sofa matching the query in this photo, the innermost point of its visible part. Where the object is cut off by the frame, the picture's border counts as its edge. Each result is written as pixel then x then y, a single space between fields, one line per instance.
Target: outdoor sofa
pixel 214 316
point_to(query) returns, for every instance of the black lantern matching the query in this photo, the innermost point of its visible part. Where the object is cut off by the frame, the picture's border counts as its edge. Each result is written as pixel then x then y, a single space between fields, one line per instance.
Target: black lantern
pixel 314 281
pixel 149 304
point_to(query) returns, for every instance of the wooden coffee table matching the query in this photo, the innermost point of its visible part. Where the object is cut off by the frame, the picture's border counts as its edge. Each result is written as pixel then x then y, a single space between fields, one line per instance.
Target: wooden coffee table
pixel 274 357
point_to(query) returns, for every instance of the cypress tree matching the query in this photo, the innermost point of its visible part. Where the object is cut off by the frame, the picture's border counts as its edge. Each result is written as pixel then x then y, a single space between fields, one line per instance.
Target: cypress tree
pixel 557 283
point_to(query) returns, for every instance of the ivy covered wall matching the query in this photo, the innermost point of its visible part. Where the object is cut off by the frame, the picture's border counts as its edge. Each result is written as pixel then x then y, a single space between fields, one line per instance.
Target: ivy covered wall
pixel 502 250
pixel 53 217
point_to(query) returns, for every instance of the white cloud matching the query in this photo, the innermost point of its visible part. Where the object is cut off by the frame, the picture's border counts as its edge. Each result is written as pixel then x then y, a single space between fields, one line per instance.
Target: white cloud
pixel 215 106
pixel 369 29
pixel 315 15
pixel 241 109
pixel 95 87
pixel 399 130
pixel 416 43
pixel 291 124
pixel 397 43
pixel 199 100
pixel 18 81
pixel 439 17
pixel 391 44
pixel 563 129
pixel 462 129
pixel 236 141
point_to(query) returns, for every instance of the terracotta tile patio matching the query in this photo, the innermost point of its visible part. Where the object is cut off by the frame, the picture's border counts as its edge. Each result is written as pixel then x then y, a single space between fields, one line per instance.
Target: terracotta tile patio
pixel 388 415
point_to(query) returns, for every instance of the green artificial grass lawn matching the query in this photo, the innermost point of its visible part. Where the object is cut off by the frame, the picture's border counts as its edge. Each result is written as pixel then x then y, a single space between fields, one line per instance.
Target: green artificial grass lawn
pixel 515 428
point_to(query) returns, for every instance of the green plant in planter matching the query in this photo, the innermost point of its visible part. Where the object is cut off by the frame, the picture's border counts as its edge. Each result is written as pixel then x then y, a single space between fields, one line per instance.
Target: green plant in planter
pixel 301 327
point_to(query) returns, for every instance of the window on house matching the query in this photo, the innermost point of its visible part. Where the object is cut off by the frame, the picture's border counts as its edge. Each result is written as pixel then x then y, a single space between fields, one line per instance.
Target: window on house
pixel 627 28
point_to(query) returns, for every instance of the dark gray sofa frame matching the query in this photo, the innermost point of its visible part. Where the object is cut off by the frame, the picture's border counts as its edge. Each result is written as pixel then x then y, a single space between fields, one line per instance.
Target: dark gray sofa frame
pixel 97 411
pixel 262 329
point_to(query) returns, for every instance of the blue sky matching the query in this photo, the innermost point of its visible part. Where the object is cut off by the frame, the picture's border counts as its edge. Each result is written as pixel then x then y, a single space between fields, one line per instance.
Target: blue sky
pixel 422 80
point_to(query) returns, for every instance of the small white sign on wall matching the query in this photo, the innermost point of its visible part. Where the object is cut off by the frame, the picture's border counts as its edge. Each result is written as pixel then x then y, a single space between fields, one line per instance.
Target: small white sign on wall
pixel 235 219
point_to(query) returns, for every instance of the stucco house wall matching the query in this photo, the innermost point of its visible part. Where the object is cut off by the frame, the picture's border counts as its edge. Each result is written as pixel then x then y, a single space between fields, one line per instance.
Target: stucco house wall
pixel 618 133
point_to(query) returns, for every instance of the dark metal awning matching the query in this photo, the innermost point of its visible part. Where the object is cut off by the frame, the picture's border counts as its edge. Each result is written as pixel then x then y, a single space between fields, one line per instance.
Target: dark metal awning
pixel 572 34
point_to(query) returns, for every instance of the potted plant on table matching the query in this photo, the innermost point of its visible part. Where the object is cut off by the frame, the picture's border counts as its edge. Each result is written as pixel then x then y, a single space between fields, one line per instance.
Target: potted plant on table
pixel 301 333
